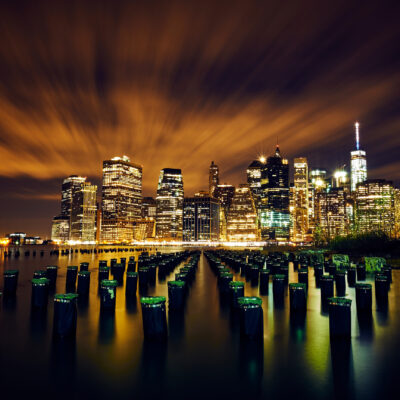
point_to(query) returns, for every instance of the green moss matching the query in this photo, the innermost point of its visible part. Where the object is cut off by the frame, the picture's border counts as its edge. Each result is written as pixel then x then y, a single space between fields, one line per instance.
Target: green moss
pixel 249 301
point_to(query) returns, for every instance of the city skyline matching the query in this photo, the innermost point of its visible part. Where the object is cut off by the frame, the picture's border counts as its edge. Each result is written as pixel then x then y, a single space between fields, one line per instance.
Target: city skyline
pixel 262 159
pixel 224 81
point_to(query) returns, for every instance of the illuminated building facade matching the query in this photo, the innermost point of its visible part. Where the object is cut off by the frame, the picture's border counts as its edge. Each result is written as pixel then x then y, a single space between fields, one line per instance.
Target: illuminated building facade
pixel 331 213
pixel 144 228
pixel 358 163
pixel 149 207
pixel 375 206
pixel 60 229
pixel 274 208
pixel 397 213
pixel 300 200
pixel 242 224
pixel 201 218
pixel 224 193
pixel 169 217
pixel 83 213
pixel 213 179
pixel 254 171
pixel 121 199
pixel 68 188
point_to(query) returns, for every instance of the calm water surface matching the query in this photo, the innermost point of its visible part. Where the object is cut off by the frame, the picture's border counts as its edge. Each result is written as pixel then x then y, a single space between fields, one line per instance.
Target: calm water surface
pixel 203 357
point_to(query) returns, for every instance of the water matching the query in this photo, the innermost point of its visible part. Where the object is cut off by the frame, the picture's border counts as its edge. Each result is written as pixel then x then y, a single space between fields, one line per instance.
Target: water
pixel 204 356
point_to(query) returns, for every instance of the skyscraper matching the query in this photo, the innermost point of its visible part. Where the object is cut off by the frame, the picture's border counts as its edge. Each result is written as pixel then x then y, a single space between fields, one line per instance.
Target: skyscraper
pixel 201 218
pixel 213 179
pixel 300 200
pixel 224 193
pixel 61 227
pixel 375 206
pixel 169 218
pixel 69 186
pixel 121 199
pixel 254 171
pixel 274 208
pixel 358 162
pixel 242 224
pixel 330 205
pixel 83 213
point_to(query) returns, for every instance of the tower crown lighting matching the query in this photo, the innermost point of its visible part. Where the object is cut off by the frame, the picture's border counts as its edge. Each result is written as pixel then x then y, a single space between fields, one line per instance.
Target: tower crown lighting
pixel 357 126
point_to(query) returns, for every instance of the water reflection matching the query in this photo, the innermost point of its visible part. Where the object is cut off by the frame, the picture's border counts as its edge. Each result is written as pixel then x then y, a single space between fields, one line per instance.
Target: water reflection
pixel 342 368
pixel 131 304
pixel 152 368
pixel 106 327
pixel 298 326
pixel 365 325
pixel 251 366
pixel 176 325
pixel 38 322
pixel 63 366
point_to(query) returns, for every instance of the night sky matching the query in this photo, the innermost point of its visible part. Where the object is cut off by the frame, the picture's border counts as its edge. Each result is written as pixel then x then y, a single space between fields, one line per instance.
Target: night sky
pixel 179 83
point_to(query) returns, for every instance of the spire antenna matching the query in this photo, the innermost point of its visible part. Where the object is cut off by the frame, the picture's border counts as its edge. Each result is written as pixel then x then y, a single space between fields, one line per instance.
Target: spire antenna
pixel 357 126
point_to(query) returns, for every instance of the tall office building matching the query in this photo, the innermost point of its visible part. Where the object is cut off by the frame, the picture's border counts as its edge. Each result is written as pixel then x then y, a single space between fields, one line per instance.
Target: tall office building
pixel 121 199
pixel 69 186
pixel 224 193
pixel 358 162
pixel 169 218
pixel 213 179
pixel 397 213
pixel 300 200
pixel 201 218
pixel 375 206
pixel 83 213
pixel 254 172
pixel 60 229
pixel 242 224
pixel 274 208
pixel 331 213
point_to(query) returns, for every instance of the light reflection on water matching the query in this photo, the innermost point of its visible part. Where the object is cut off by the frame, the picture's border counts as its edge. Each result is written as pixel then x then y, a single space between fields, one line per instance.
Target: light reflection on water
pixel 204 356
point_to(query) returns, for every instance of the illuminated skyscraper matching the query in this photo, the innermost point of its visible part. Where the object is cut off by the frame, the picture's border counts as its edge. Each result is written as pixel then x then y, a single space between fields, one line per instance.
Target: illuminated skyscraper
pixel 242 224
pixel 200 218
pixel 300 200
pixel 169 218
pixel 274 208
pixel 68 187
pixel 331 212
pixel 121 199
pixel 224 193
pixel 254 171
pixel 83 213
pixel 375 206
pixel 60 228
pixel 397 213
pixel 358 162
pixel 213 179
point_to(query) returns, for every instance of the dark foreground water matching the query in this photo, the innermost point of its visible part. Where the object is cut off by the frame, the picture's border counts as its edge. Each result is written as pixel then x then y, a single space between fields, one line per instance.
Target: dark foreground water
pixel 203 357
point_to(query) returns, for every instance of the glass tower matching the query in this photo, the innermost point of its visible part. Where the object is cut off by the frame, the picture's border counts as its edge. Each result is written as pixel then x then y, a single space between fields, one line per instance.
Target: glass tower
pixel 200 218
pixel 169 216
pixel 274 208
pixel 301 199
pixel 242 222
pixel 213 179
pixel 358 162
pixel 121 199
pixel 83 213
